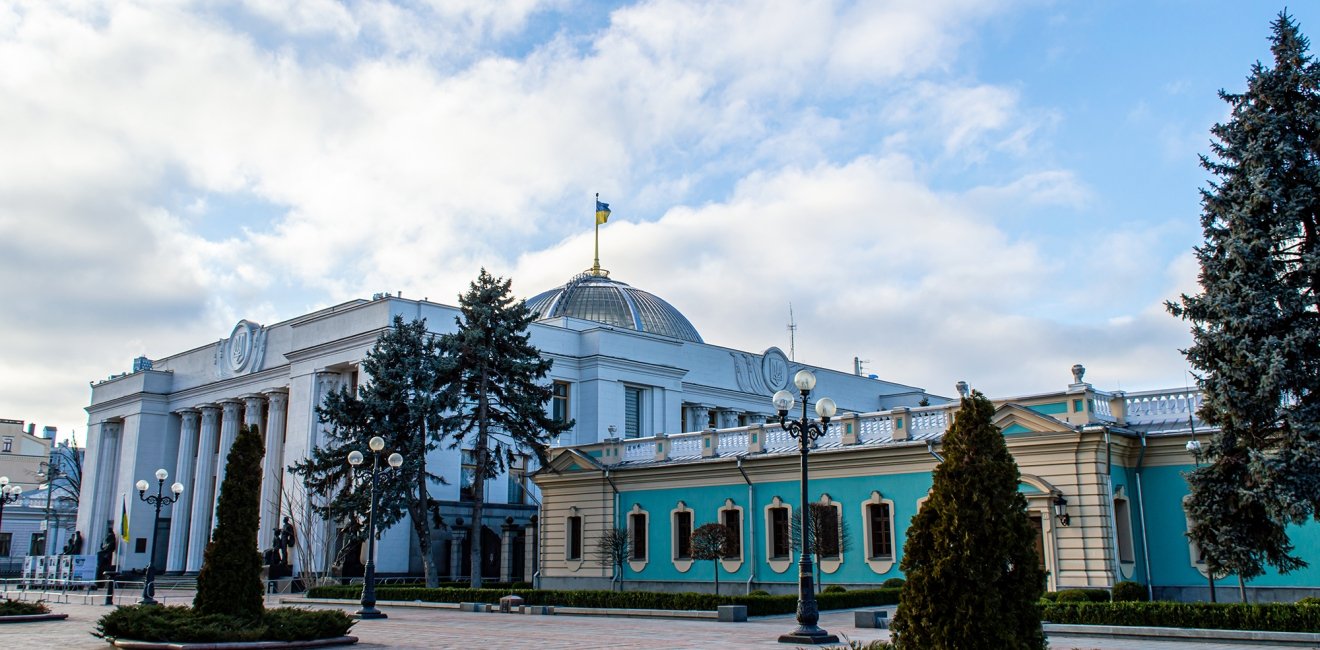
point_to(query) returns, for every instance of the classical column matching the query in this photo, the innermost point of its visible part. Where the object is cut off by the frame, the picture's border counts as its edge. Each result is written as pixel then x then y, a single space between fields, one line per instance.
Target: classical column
pixel 272 470
pixel 324 382
pixel 228 432
pixel 531 550
pixel 203 488
pixel 508 532
pixel 184 471
pixel 252 411
pixel 458 560
pixel 107 467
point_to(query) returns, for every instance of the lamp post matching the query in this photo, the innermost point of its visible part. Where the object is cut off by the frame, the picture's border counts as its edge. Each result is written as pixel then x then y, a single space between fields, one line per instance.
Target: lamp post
pixel 158 499
pixel 806 432
pixel 376 444
pixel 8 494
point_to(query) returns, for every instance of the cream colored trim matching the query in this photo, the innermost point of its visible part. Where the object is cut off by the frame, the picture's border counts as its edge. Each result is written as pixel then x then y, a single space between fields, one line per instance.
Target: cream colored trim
pixel 573 564
pixel 879 565
pixel 1193 549
pixel 637 565
pixel 1123 524
pixel 832 564
pixel 1043 505
pixel 777 564
pixel 733 564
pixel 682 564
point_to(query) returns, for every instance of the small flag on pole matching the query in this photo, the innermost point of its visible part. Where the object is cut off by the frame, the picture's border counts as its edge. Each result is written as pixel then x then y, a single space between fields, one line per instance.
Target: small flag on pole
pixel 602 212
pixel 123 520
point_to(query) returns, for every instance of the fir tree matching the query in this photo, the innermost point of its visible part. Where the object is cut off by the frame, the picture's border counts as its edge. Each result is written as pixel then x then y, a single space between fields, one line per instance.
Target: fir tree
pixel 973 576
pixel 404 403
pixel 230 580
pixel 1256 324
pixel 495 379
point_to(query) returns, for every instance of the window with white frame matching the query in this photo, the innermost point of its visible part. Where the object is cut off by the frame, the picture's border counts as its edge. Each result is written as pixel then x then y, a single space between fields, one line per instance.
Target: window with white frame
pixel 634 406
pixel 880 531
pixel 559 402
pixel 573 539
pixel 732 520
pixel 683 534
pixel 637 535
pixel 1123 528
pixel 781 545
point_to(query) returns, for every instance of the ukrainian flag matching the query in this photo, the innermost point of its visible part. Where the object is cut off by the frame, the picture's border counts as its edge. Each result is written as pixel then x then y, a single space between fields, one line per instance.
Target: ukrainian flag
pixel 602 212
pixel 123 520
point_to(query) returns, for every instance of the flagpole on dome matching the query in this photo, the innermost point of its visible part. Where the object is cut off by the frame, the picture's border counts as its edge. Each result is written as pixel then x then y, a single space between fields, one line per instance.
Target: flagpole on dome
pixel 602 215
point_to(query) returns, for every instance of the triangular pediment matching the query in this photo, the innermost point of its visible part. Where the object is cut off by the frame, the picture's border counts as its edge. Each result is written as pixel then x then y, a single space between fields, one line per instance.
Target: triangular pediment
pixel 1013 419
pixel 570 460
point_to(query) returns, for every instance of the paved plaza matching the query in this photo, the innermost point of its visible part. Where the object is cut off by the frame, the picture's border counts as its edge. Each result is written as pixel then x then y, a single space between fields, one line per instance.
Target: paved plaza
pixel 413 627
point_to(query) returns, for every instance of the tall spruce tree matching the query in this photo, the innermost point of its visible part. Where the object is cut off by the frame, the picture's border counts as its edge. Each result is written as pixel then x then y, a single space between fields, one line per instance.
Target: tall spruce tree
pixel 495 382
pixel 230 580
pixel 405 403
pixel 973 576
pixel 1256 322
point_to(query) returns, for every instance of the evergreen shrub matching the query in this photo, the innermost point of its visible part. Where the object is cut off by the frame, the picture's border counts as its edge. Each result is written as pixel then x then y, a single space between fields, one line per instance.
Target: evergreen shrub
pixel 835 589
pixel 1082 596
pixel 757 605
pixel 155 623
pixel 230 580
pixel 1129 591
pixel 1269 617
pixel 893 583
pixel 20 608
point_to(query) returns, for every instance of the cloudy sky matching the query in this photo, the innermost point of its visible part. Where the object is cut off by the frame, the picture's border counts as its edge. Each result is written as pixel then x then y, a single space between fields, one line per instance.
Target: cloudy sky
pixel 962 189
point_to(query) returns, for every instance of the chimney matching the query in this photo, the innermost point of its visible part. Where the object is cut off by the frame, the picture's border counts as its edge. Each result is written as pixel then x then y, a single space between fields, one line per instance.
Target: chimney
pixel 48 432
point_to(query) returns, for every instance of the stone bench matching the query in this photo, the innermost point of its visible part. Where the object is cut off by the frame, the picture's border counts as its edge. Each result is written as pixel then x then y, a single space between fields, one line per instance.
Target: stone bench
pixel 871 618
pixel 732 613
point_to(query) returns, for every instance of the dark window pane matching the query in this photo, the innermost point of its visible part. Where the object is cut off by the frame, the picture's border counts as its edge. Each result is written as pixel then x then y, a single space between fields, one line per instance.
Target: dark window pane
pixel 881 546
pixel 779 540
pixel 639 537
pixel 733 547
pixel 683 531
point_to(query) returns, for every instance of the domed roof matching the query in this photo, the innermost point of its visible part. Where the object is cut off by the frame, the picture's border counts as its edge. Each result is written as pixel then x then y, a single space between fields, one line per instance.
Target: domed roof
pixel 598 298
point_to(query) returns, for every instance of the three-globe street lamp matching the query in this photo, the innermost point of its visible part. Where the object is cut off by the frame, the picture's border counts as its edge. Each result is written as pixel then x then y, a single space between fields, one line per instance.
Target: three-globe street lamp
pixel 158 499
pixel 806 432
pixel 8 494
pixel 376 444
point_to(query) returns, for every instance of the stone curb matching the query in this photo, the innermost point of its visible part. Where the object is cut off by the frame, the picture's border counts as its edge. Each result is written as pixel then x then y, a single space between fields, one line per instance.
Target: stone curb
pixel 572 611
pixel 244 645
pixel 1304 639
pixel 32 618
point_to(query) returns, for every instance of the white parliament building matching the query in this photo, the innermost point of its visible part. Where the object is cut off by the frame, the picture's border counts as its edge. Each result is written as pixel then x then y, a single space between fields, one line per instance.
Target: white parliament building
pixel 627 364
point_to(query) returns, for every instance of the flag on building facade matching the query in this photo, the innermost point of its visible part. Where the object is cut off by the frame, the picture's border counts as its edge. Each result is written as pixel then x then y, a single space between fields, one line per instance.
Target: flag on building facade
pixel 123 520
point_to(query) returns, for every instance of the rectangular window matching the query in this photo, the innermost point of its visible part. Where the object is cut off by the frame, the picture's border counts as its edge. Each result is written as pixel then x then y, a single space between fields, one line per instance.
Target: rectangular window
pixel 140 545
pixel 574 547
pixel 827 527
pixel 638 536
pixel 4 544
pixel 518 483
pixel 733 522
pixel 779 535
pixel 9 445
pixel 38 544
pixel 1124 528
pixel 682 535
pixel 632 411
pixel 559 410
pixel 882 547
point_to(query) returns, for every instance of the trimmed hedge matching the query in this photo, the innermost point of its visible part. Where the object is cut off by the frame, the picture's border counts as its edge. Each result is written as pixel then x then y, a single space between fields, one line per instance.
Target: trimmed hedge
pixel 1270 617
pixel 1081 596
pixel 20 608
pixel 1130 591
pixel 756 605
pixel 184 625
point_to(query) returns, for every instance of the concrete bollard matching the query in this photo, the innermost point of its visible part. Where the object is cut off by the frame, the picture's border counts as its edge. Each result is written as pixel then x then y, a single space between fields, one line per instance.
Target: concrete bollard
pixel 871 618
pixel 472 607
pixel 732 613
pixel 509 603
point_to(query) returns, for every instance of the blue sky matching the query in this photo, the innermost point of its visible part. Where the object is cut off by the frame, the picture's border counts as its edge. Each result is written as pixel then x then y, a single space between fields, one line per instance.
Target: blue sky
pixel 959 190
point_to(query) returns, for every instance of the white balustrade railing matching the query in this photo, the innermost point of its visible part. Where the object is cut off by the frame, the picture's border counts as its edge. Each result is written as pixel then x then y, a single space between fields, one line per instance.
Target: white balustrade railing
pixel 685 444
pixel 1162 405
pixel 875 427
pixel 929 419
pixel 639 450
pixel 733 439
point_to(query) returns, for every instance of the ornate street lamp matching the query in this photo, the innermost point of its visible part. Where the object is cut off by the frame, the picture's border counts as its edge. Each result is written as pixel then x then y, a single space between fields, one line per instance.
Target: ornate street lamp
pixel 376 444
pixel 158 499
pixel 806 432
pixel 8 494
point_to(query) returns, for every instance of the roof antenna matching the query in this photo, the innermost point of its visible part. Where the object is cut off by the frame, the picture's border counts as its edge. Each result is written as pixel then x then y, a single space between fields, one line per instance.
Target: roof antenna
pixel 792 334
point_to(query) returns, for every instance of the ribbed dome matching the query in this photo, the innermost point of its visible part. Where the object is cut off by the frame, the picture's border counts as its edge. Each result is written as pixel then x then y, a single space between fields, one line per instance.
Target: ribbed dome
pixel 598 298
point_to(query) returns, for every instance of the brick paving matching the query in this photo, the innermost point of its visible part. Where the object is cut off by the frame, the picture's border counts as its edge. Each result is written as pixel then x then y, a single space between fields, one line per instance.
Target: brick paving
pixel 410 627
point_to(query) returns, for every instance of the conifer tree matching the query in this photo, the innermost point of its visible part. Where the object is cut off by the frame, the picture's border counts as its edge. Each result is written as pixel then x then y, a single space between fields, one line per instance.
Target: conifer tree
pixel 230 580
pixel 495 383
pixel 401 400
pixel 973 576
pixel 1256 323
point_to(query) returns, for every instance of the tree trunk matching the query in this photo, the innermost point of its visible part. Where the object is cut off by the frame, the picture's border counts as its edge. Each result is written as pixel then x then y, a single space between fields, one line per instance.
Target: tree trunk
pixel 422 528
pixel 1212 584
pixel 1242 588
pixel 717 577
pixel 479 485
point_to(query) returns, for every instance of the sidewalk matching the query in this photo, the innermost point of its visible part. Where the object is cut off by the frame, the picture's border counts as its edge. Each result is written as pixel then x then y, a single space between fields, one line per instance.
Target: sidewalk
pixel 409 627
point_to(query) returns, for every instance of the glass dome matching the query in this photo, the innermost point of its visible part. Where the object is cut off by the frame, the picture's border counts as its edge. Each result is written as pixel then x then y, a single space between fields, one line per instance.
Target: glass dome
pixel 600 299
